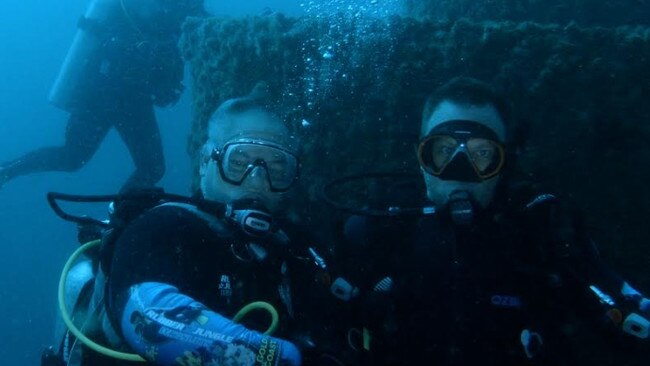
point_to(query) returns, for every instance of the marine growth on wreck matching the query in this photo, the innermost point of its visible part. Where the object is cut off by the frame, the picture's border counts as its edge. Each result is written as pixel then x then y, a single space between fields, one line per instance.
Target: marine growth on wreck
pixel 352 85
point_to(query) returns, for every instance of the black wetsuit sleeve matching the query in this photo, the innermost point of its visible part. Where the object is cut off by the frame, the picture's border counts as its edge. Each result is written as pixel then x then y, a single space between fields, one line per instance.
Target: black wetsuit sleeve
pixel 166 245
pixel 581 257
pixel 161 279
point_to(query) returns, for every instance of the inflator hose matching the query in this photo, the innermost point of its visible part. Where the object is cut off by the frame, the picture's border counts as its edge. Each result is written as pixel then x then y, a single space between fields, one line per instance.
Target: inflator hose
pixel 68 322
pixel 259 305
pixel 133 356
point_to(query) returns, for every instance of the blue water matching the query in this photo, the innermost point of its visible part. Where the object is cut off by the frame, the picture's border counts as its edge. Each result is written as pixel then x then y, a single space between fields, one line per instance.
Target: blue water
pixel 34 38
pixel 34 242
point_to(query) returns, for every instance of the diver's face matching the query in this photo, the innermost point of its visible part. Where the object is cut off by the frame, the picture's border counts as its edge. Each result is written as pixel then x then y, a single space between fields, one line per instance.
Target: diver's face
pixel 440 191
pixel 250 166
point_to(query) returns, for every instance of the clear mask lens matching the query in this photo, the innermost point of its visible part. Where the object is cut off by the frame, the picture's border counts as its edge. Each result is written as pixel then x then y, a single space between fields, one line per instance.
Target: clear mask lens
pixel 239 160
pixel 438 152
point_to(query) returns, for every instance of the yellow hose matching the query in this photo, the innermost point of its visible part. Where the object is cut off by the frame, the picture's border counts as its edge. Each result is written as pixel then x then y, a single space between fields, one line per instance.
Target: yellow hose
pixel 258 305
pixel 68 322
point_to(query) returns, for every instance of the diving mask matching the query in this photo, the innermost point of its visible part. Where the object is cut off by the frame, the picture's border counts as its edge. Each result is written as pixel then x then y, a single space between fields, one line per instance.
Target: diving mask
pixel 461 150
pixel 237 160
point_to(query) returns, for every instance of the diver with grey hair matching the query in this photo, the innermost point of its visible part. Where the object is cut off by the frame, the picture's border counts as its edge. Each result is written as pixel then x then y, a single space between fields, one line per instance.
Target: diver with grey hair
pixel 498 273
pixel 123 62
pixel 189 281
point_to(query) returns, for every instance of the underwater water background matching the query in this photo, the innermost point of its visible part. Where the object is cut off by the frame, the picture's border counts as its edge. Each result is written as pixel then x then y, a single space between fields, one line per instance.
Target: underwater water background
pixel 34 39
pixel 34 243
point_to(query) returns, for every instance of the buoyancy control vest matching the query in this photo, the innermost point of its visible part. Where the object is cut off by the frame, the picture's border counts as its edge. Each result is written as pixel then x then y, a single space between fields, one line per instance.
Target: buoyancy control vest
pixel 97 321
pixel 429 291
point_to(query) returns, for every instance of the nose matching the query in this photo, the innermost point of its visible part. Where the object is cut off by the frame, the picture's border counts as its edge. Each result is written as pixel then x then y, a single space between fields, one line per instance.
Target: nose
pixel 259 172
pixel 257 178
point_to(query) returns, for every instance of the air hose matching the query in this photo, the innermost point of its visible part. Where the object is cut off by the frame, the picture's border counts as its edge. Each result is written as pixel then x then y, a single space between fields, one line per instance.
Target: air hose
pixel 258 305
pixel 68 321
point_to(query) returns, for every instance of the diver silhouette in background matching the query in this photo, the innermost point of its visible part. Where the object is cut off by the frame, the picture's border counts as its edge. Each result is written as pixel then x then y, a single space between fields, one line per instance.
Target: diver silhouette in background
pixel 124 60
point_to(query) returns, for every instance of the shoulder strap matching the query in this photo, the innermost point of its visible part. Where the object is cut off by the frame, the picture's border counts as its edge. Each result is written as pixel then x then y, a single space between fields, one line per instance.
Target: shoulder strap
pixel 216 224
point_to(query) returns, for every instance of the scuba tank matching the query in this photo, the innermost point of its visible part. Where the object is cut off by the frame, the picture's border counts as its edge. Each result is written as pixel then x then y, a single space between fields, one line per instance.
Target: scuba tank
pixel 84 62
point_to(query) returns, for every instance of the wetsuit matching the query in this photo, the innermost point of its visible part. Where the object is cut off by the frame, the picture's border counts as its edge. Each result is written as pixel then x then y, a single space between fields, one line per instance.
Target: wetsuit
pixel 177 277
pixel 511 289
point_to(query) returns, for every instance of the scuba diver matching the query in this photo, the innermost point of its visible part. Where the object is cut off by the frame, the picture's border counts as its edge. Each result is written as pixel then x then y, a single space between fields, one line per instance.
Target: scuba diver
pixel 124 60
pixel 495 273
pixel 168 287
